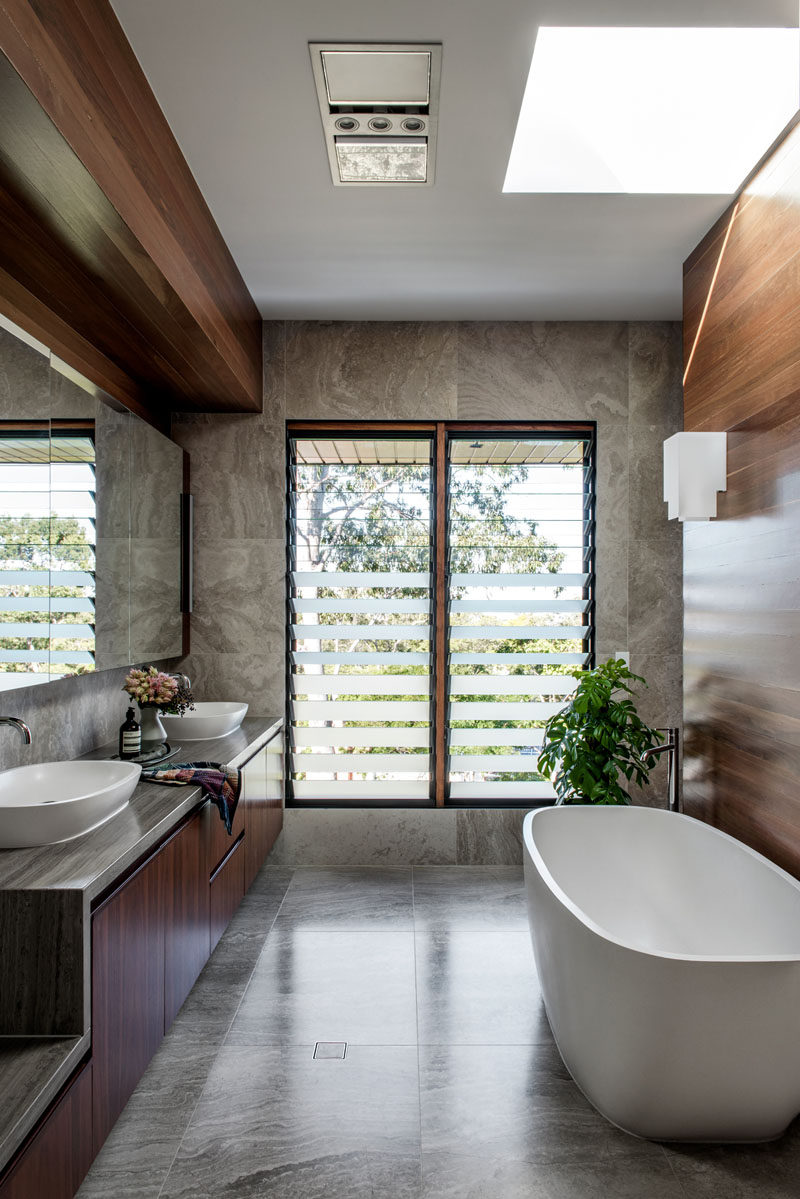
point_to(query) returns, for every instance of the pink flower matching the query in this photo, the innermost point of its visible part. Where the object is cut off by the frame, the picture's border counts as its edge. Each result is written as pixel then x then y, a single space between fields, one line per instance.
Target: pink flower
pixel 150 686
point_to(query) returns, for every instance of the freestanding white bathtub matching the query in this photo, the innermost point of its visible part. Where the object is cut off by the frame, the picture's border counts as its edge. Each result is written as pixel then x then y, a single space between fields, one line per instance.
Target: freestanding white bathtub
pixel 669 959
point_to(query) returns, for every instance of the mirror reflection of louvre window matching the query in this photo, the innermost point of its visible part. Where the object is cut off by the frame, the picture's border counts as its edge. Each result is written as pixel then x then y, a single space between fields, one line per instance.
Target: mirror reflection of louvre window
pixel 441 592
pixel 47 550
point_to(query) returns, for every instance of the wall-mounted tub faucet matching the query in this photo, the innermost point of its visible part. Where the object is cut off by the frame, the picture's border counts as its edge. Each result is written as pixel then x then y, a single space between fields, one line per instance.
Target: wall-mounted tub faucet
pixel 25 732
pixel 670 747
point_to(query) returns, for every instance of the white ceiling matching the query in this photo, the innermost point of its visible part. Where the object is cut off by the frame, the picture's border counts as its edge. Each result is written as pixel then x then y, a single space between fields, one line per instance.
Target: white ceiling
pixel 234 80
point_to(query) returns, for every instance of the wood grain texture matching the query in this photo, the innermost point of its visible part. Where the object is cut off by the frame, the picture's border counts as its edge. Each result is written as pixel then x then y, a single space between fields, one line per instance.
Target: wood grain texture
pixel 127 990
pixel 33 1073
pixel 186 916
pixel 226 891
pixel 742 571
pixel 41 948
pixel 58 1156
pixel 87 157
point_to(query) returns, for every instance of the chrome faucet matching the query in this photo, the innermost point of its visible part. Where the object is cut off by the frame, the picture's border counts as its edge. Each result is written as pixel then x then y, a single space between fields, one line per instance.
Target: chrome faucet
pixel 669 747
pixel 183 680
pixel 20 725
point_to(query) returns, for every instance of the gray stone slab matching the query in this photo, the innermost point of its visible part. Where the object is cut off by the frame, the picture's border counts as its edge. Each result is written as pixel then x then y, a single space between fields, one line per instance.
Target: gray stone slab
pixel 42 952
pixel 478 986
pixel 331 983
pixel 348 897
pixel 469 897
pixel 468 1176
pixel 381 837
pixel 517 1103
pixel 270 1112
pixel 378 370
pixel 489 836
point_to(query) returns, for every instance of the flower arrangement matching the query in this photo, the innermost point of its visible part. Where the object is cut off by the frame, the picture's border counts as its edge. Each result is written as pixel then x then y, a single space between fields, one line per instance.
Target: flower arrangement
pixel 153 688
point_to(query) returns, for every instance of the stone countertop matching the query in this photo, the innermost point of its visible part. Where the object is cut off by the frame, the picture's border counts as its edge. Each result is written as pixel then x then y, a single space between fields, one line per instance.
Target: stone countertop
pixel 45 902
pixel 32 1072
pixel 92 862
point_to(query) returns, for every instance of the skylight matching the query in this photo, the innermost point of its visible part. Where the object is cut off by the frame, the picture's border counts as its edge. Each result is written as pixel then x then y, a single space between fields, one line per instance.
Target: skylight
pixel 652 110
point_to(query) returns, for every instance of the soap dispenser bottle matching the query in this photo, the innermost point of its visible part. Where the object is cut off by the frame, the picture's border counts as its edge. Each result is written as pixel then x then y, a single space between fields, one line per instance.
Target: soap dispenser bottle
pixel 130 737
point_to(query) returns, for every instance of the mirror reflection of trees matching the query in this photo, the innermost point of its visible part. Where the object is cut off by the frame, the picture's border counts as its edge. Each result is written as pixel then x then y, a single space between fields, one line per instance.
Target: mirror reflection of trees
pixel 89 524
pixel 47 549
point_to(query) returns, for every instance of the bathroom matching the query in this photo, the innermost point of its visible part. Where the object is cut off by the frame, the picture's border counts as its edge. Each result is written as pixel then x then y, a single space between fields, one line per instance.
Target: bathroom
pixel 358 1011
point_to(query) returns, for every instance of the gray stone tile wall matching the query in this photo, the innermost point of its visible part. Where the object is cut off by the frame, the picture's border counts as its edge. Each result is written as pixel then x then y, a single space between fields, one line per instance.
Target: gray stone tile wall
pixel 624 376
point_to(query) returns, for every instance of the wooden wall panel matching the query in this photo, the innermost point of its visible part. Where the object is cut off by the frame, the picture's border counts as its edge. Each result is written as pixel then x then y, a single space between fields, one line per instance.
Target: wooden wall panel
pixel 742 571
pixel 93 178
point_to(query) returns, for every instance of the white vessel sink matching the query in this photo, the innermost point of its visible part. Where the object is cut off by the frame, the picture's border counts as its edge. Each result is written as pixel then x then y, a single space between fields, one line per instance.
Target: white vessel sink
pixel 54 801
pixel 205 722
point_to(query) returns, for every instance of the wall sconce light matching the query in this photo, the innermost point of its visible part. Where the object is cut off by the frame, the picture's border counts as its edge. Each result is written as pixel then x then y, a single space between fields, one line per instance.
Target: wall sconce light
pixel 695 469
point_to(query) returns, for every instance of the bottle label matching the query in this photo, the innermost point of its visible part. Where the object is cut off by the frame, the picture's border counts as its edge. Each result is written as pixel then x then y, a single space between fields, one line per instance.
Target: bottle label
pixel 132 742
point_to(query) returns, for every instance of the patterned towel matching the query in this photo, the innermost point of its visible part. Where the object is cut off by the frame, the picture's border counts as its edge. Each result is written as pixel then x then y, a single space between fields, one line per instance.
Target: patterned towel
pixel 222 784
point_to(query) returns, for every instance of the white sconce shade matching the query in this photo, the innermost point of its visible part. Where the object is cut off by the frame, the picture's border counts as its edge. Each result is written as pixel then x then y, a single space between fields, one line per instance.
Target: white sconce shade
pixel 695 469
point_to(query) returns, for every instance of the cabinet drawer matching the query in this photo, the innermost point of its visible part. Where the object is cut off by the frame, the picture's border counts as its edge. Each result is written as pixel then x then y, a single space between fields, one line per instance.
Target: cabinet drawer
pixel 218 840
pixel 225 892
pixel 56 1159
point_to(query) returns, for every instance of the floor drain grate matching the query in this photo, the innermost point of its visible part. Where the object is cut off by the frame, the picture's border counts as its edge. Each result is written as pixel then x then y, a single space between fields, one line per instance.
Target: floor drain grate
pixel 330 1049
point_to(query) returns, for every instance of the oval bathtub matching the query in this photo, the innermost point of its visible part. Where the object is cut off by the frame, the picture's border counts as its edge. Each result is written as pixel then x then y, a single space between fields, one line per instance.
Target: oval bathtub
pixel 669 959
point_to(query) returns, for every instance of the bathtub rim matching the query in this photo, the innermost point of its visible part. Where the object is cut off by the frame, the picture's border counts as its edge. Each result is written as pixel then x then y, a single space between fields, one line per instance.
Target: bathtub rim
pixel 532 850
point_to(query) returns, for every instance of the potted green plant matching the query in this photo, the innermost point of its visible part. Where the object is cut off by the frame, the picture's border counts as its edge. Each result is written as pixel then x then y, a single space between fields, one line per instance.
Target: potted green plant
pixel 598 739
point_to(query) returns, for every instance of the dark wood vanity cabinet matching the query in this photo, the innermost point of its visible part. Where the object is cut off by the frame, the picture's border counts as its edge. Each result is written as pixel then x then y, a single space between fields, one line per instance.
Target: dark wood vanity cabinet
pixel 226 889
pixel 235 860
pixel 57 1157
pixel 218 840
pixel 128 940
pixel 149 943
pixel 263 800
pixel 151 936
pixel 186 897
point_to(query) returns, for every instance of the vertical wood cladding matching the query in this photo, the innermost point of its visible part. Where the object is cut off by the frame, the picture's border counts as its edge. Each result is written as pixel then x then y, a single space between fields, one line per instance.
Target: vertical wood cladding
pixel 110 231
pixel 742 571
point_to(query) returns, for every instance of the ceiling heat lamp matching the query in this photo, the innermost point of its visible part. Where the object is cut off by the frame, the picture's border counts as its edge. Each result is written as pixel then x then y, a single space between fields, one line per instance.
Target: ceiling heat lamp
pixel 379 106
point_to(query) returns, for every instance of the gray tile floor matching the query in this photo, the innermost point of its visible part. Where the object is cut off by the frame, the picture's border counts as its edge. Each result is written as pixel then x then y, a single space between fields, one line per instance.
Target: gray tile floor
pixel 451 1086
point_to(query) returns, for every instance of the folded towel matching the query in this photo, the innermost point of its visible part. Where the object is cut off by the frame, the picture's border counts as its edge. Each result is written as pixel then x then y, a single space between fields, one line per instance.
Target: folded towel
pixel 222 784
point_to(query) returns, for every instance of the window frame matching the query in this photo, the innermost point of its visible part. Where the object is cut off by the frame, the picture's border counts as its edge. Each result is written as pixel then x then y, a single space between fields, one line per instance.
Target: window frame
pixel 441 433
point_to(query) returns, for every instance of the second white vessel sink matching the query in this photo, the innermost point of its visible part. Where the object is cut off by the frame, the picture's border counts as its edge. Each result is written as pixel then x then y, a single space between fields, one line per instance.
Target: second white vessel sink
pixel 55 801
pixel 205 722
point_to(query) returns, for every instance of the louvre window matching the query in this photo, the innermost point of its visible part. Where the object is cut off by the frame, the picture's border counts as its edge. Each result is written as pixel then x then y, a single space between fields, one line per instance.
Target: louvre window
pixel 47 552
pixel 360 514
pixel 519 607
pixel 441 585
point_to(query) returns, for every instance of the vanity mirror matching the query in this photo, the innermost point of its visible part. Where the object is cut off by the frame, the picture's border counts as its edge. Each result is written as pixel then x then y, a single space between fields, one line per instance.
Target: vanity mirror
pixel 90 531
